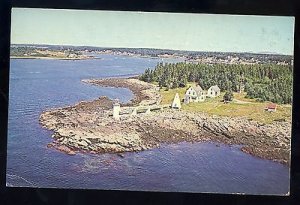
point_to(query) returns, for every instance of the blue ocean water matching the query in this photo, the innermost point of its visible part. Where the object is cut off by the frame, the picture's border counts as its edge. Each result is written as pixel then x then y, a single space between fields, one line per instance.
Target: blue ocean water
pixel 37 85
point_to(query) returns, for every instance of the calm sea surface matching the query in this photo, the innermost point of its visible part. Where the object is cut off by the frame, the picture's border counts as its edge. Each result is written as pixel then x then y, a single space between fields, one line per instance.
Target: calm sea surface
pixel 37 85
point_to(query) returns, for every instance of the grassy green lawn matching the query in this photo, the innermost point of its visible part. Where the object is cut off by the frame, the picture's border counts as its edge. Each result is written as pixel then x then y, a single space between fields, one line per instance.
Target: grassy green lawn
pixel 248 108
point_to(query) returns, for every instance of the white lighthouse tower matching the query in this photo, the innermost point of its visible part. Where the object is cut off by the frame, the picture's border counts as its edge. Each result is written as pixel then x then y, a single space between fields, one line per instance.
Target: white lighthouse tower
pixel 116 110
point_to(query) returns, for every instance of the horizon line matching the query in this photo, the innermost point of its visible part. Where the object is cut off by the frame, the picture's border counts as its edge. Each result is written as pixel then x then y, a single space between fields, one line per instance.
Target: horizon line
pixel 245 52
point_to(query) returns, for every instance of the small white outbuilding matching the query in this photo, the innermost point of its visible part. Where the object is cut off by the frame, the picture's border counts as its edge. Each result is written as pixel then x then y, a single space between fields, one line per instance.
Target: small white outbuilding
pixel 213 91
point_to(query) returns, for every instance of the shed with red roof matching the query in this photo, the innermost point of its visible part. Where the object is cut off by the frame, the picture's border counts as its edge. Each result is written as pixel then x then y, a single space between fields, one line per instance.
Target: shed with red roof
pixel 271 107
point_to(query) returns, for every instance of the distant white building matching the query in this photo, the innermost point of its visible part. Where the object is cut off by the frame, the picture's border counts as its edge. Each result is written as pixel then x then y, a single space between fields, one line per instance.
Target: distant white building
pixel 176 102
pixel 213 91
pixel 194 94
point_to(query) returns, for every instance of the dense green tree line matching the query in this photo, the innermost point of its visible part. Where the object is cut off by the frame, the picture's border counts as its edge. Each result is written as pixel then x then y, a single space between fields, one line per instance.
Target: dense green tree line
pixel 266 82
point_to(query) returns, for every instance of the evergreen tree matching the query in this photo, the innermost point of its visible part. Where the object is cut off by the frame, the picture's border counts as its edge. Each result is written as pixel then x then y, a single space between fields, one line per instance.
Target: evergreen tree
pixel 228 96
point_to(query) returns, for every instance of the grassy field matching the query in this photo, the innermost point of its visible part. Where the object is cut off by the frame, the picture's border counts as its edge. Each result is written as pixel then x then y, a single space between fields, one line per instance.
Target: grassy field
pixel 240 107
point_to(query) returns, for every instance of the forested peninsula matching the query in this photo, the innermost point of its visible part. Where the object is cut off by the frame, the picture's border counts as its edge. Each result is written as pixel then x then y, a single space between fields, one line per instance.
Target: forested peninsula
pixel 264 82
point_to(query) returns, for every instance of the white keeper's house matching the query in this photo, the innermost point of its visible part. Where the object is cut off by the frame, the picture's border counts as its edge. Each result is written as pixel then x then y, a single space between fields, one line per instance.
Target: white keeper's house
pixel 194 94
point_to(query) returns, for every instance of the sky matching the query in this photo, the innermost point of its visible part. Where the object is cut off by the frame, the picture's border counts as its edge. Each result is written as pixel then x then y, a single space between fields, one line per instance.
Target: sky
pixel 178 31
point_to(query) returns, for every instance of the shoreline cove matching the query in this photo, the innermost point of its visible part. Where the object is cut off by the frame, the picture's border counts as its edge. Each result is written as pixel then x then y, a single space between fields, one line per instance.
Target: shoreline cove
pixel 89 127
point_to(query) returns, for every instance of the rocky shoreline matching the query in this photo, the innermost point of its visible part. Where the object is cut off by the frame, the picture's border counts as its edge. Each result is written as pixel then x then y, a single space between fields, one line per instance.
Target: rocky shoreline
pixel 89 126
pixel 144 93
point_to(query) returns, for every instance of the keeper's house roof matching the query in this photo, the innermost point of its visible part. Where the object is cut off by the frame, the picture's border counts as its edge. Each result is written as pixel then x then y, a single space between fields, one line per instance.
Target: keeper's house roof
pixel 197 89
pixel 215 88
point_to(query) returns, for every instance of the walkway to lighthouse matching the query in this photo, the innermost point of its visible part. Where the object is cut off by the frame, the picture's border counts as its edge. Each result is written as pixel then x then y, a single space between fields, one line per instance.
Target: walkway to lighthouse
pixel 143 109
pixel 132 111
